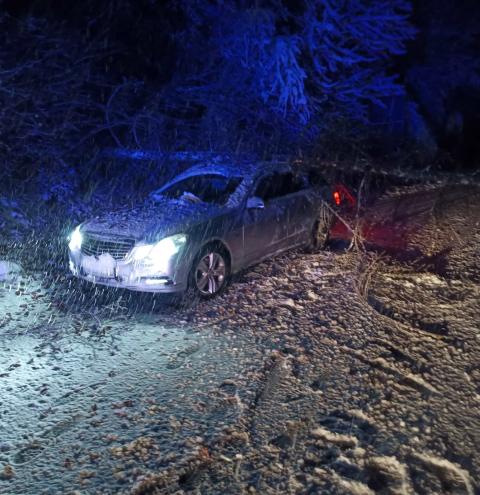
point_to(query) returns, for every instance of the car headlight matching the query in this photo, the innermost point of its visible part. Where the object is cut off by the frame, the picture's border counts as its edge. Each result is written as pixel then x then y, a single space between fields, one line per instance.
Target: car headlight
pixel 160 253
pixel 76 239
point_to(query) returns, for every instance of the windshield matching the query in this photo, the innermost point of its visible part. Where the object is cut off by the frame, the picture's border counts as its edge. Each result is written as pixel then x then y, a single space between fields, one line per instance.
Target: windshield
pixel 206 188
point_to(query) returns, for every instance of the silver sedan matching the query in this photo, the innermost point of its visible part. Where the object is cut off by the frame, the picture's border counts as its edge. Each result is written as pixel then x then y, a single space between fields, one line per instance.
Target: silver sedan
pixel 199 228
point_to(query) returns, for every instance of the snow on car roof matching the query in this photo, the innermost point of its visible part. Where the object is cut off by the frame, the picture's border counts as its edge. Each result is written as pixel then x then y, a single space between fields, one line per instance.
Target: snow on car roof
pixel 232 169
pixel 224 164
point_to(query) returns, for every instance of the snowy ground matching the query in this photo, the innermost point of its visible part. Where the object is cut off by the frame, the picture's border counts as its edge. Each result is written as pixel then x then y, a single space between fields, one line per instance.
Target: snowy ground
pixel 313 373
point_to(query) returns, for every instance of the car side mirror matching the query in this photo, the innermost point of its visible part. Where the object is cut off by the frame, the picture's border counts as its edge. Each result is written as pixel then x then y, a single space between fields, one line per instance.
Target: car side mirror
pixel 255 203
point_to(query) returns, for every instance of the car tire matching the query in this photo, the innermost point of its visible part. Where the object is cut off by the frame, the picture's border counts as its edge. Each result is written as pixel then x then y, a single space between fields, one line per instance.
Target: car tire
pixel 210 272
pixel 320 233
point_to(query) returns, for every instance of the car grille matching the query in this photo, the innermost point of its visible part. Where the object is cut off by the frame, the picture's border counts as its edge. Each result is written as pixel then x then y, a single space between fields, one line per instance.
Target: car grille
pixel 117 247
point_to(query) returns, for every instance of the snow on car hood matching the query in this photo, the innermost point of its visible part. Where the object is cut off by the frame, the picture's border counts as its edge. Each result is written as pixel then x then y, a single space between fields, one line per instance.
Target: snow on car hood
pixel 153 219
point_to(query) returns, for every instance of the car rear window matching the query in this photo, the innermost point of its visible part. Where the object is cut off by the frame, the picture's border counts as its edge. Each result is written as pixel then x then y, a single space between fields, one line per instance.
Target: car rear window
pixel 208 188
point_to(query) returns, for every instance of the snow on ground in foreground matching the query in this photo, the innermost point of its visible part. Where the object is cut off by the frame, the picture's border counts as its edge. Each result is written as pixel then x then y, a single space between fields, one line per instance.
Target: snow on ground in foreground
pixel 79 410
pixel 8 270
pixel 299 379
pixel 349 401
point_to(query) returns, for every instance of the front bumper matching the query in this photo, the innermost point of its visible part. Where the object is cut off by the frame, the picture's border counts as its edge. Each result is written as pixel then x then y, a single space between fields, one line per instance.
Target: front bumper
pixel 128 275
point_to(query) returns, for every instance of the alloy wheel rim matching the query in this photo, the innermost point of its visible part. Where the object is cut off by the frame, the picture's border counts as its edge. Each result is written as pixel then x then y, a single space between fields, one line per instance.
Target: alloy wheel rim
pixel 210 273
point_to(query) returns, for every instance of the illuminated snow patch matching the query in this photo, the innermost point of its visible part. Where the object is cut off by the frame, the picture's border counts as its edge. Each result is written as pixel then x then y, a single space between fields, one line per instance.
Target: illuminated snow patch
pixel 8 270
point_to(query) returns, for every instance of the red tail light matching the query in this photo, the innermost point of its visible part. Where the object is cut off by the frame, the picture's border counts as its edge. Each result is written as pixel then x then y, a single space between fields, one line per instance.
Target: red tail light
pixel 336 198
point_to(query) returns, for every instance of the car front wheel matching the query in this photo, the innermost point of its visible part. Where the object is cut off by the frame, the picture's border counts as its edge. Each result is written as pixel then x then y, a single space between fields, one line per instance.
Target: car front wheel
pixel 210 272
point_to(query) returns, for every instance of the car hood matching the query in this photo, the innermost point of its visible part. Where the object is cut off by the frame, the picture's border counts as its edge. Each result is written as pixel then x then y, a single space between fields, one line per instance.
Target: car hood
pixel 153 219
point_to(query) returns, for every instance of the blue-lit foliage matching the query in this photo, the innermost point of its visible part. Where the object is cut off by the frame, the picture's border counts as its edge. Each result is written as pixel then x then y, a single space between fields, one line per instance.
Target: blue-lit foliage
pixel 252 76
pixel 283 70
pixel 50 94
pixel 259 77
pixel 350 46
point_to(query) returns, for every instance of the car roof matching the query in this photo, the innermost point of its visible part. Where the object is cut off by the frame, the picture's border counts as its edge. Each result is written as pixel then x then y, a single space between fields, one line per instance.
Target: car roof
pixel 247 170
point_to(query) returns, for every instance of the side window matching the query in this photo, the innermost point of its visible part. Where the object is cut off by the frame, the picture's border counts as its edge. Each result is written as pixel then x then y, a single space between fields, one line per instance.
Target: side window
pixel 294 183
pixel 277 185
pixel 267 187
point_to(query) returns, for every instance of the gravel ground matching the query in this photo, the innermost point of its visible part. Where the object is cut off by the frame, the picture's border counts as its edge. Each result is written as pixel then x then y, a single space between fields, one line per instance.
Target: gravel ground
pixel 314 373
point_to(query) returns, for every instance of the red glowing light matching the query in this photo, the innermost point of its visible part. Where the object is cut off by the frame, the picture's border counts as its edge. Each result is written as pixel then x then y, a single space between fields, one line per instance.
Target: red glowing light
pixel 337 198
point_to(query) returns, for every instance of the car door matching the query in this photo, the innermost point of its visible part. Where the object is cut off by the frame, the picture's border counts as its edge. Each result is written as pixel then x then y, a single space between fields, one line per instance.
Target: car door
pixel 266 228
pixel 301 206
